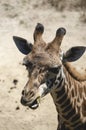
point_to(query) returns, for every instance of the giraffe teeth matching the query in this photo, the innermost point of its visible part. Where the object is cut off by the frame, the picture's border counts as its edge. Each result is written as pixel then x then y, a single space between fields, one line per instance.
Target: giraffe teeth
pixel 35 106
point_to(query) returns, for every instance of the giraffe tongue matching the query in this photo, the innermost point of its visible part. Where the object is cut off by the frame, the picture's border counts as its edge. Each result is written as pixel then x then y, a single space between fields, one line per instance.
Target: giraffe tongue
pixel 34 105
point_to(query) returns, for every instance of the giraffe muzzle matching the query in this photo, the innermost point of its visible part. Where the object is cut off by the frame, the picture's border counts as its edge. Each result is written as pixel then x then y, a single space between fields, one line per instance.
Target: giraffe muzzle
pixel 33 105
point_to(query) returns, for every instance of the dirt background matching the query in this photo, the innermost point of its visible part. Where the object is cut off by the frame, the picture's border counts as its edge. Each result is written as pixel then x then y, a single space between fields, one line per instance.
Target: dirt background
pixel 19 17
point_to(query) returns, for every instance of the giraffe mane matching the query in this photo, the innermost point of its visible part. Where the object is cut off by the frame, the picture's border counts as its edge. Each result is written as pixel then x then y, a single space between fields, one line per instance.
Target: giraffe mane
pixel 74 73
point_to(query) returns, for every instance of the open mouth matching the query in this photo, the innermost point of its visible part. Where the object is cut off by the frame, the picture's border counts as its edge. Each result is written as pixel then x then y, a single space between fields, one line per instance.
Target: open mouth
pixel 33 105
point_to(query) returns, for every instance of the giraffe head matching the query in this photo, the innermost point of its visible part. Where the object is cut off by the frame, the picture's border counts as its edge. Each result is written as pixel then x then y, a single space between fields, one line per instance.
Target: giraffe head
pixel 43 62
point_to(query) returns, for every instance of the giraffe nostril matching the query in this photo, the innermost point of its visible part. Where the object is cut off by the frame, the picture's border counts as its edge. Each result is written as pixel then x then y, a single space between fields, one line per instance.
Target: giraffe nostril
pixel 31 93
pixel 23 92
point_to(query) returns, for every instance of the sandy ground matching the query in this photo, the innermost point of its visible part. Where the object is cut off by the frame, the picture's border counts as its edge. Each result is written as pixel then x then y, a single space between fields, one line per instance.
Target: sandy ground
pixel 20 19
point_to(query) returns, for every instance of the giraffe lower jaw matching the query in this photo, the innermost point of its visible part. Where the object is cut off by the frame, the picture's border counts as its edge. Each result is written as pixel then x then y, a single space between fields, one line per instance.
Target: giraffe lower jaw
pixel 34 105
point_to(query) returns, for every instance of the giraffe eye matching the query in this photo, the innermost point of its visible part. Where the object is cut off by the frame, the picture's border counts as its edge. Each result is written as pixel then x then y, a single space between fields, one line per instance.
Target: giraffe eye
pixel 54 69
pixel 28 64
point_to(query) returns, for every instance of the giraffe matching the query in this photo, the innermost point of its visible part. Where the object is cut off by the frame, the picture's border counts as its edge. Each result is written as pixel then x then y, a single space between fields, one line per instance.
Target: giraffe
pixel 50 71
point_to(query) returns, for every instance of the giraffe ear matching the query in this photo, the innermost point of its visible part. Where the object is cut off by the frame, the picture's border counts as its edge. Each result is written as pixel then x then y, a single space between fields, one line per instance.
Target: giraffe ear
pixel 73 53
pixel 22 44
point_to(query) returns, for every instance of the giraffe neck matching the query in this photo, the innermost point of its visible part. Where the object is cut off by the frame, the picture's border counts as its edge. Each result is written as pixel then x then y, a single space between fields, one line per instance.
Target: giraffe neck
pixel 63 96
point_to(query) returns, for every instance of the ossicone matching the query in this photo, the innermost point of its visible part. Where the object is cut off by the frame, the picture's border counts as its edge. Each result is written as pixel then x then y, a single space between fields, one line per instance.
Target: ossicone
pixel 39 29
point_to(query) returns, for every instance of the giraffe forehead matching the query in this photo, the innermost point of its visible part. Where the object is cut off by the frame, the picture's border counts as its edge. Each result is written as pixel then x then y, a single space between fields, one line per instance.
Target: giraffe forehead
pixel 44 58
